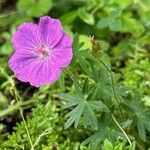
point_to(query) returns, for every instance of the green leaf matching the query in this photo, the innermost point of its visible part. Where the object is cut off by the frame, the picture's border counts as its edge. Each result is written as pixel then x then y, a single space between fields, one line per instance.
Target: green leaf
pixel 6 49
pixel 89 117
pixel 136 27
pixel 82 108
pixel 141 130
pixel 70 104
pixel 115 25
pixel 67 97
pixel 108 145
pixel 119 147
pixel 85 86
pixel 115 13
pixel 93 93
pixel 71 100
pixel 69 17
pixel 127 123
pixel 132 146
pixel 62 81
pixel 123 4
pixel 84 65
pixel 74 116
pixel 104 45
pixel 146 101
pixel 86 40
pixel 98 105
pixel 34 8
pixel 103 23
pixel 95 139
pixel 76 84
pixel 76 45
pixel 78 89
pixel 85 16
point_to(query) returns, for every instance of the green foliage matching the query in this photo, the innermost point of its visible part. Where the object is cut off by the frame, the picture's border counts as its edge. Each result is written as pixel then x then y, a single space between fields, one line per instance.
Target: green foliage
pixel 42 121
pixel 107 79
pixel 118 146
pixel 111 21
pixel 34 8
pixel 85 16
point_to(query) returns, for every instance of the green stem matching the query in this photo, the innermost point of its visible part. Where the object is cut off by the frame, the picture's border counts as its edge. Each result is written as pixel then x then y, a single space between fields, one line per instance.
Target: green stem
pixel 23 119
pixel 113 86
pixel 115 96
pixel 13 108
pixel 18 99
pixel 72 76
pixel 114 119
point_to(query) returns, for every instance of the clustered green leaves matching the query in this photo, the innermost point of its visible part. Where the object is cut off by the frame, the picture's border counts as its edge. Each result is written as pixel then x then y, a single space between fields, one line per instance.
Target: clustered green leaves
pixel 102 100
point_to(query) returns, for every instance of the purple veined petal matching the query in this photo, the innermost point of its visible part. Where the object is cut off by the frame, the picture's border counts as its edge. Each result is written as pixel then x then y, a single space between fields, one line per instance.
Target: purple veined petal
pixel 36 74
pixel 44 73
pixel 62 53
pixel 24 73
pixel 26 38
pixel 51 31
pixel 52 73
pixel 20 65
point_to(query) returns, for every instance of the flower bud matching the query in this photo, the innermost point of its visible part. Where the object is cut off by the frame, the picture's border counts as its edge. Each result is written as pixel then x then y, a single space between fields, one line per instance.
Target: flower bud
pixel 96 48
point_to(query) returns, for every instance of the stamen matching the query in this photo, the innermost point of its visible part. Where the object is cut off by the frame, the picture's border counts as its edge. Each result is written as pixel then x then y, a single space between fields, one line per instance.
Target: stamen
pixel 43 51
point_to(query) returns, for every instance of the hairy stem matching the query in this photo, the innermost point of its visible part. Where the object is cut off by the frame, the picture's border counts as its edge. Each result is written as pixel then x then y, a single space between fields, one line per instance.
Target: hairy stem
pixel 18 99
pixel 114 119
pixel 23 119
pixel 113 86
pixel 115 96
pixel 72 76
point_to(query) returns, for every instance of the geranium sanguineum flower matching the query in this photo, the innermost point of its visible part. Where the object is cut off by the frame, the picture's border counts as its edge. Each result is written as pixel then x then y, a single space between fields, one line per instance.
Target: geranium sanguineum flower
pixel 41 51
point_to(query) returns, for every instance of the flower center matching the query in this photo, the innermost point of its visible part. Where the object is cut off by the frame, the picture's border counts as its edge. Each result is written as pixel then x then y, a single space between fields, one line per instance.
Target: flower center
pixel 43 52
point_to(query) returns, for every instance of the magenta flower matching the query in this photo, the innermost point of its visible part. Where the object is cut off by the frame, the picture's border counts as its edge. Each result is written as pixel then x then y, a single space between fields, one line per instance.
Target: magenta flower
pixel 41 51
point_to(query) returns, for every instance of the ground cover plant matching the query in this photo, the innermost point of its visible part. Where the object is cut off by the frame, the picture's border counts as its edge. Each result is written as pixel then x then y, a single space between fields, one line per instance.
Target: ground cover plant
pixel 94 94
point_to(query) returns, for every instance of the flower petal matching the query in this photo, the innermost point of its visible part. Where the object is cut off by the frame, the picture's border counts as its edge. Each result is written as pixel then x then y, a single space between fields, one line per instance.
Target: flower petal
pixel 20 65
pixel 51 31
pixel 30 69
pixel 62 53
pixel 44 74
pixel 26 38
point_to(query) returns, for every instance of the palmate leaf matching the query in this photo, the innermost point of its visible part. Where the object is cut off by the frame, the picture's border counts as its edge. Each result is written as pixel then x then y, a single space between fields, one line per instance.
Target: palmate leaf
pixel 71 100
pixel 86 112
pixel 89 116
pixel 141 130
pixel 102 87
pixel 74 116
pixel 142 115
pixel 82 109
pixel 96 138
pixel 98 105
